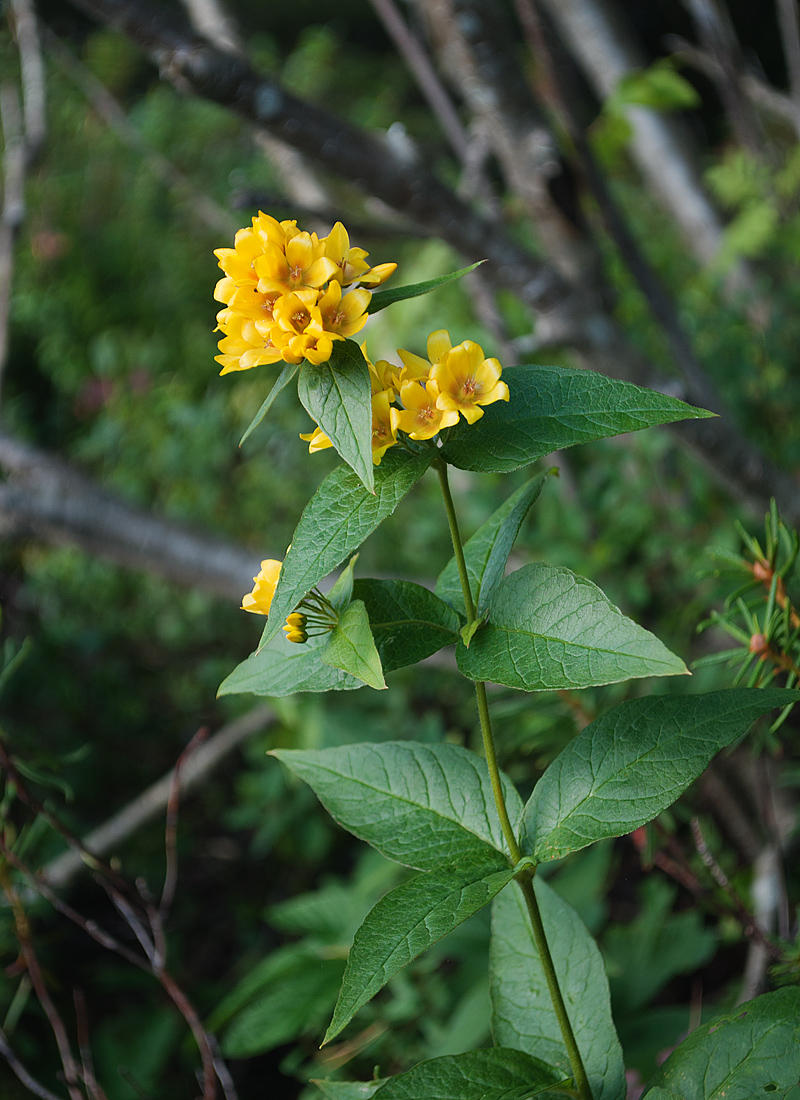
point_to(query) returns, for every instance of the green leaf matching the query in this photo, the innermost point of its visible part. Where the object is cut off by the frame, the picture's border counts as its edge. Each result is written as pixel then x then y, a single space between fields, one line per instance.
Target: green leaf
pixel 753 1052
pixel 408 622
pixel 383 298
pixel 338 396
pixel 294 1005
pixel 487 551
pixel 347 1090
pixel 283 379
pixel 552 408
pixel 341 593
pixel 337 519
pixel 351 647
pixel 522 1012
pixel 408 920
pixel 421 805
pixel 549 628
pixel 634 761
pixel 282 667
pixel 494 1074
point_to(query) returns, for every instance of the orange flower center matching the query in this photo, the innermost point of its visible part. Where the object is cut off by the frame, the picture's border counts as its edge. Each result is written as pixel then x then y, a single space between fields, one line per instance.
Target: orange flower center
pixel 301 318
pixel 470 388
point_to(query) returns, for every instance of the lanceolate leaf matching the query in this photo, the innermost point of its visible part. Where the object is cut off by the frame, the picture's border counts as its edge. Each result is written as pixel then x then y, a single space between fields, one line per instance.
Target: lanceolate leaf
pixel 408 920
pixel 335 522
pixel 408 622
pixel 552 408
pixel 549 628
pixel 522 1012
pixel 383 298
pixel 487 551
pixel 351 647
pixel 634 761
pixel 421 805
pixel 495 1074
pixel 753 1052
pixel 341 593
pixel 283 379
pixel 338 396
pixel 283 668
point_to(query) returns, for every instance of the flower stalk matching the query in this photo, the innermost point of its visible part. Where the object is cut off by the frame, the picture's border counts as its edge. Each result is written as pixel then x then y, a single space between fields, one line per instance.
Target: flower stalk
pixel 525 879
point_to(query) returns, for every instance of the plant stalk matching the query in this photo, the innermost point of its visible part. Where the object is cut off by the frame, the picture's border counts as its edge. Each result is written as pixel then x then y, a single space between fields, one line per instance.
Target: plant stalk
pixel 526 878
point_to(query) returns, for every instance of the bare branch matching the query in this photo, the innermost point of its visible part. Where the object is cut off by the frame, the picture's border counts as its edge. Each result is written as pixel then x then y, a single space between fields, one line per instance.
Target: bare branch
pixel 40 987
pixel 44 498
pixel 597 35
pixel 419 63
pixel 153 802
pixel 762 95
pixel 30 1083
pixel 171 829
pixel 33 78
pixel 789 24
pixel 209 18
pixel 655 292
pixel 716 32
pixel 476 46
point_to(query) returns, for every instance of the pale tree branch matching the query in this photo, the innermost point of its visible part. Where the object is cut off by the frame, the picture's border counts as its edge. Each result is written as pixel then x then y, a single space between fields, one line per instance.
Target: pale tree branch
pixel 597 35
pixel 717 35
pixel 153 802
pixel 44 498
pixel 476 46
pixel 33 80
pixel 789 24
pixel 762 95
pixel 425 75
pixel 19 1070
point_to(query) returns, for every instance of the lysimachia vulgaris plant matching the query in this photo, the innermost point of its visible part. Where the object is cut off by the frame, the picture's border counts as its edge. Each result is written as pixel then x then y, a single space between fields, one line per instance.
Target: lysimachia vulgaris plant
pixel 294 299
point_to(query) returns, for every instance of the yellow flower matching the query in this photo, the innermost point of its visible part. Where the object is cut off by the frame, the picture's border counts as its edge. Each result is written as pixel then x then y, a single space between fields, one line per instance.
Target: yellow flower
pixel 383 377
pixel 421 418
pixel 418 369
pixel 299 328
pixel 259 600
pixel 344 315
pixel 384 435
pixel 244 345
pixel 300 265
pixel 467 380
pixel 282 292
pixel 351 263
pixel 316 440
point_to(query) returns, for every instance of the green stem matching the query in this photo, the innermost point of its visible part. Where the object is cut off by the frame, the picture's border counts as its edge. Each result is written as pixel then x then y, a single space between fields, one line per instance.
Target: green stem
pixel 526 879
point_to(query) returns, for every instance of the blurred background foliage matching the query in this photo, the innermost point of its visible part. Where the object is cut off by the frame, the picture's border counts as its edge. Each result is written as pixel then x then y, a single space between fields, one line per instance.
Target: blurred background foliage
pixel 111 365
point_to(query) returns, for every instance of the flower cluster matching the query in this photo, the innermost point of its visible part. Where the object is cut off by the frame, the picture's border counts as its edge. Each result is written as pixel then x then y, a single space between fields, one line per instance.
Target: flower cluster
pixel 314 611
pixel 425 395
pixel 289 294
